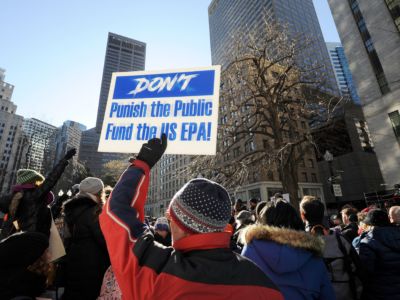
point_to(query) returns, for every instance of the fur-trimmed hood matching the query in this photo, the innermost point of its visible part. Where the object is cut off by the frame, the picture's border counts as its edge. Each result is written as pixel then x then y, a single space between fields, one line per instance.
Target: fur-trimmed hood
pixel 282 250
pixel 284 236
pixel 290 259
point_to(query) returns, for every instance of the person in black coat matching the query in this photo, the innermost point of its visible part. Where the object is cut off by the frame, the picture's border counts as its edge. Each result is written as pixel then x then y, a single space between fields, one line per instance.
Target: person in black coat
pixel 87 257
pixel 380 255
pixel 27 206
pixel 350 228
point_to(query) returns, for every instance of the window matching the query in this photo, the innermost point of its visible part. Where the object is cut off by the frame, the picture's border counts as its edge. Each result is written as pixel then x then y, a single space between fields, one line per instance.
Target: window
pixel 313 177
pixel 304 177
pixel 302 163
pixel 395 120
pixel 249 146
pixel 310 163
pixel 255 193
pixel 312 192
pixel 369 46
pixel 236 152
pixel 394 9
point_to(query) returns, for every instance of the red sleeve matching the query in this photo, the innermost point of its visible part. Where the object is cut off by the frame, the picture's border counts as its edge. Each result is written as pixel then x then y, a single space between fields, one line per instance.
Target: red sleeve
pixel 122 224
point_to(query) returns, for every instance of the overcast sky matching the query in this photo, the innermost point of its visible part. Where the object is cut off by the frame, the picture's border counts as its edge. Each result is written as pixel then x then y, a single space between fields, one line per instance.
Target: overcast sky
pixel 53 51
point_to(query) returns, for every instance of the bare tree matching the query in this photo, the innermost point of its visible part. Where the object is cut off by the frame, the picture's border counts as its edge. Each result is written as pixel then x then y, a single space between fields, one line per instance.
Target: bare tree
pixel 271 91
pixel 113 169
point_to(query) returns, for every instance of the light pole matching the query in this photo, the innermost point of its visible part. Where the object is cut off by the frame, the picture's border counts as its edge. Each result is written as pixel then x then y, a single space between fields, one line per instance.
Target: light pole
pixel 328 157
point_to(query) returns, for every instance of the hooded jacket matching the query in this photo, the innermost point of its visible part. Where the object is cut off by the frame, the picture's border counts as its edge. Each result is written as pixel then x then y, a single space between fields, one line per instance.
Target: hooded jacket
pixel 292 259
pixel 199 266
pixel 380 255
pixel 87 257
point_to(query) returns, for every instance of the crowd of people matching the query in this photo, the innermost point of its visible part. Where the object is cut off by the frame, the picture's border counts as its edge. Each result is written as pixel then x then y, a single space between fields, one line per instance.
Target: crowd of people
pixel 204 247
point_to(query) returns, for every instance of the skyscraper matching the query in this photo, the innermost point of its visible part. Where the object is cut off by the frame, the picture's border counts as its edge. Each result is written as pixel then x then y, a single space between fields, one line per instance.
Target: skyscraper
pixel 370 33
pixel 227 18
pixel 11 139
pixel 39 134
pixel 68 136
pixel 343 76
pixel 123 54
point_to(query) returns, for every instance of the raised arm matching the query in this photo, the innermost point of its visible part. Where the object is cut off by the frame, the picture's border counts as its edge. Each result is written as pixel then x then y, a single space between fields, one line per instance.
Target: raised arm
pixel 122 220
pixel 54 176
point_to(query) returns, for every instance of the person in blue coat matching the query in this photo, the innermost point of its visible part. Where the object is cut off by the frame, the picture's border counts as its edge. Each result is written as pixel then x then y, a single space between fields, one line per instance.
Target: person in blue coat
pixel 379 251
pixel 288 255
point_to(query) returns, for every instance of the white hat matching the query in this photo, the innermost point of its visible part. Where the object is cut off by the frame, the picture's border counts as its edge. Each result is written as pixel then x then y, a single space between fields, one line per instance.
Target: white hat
pixel 91 185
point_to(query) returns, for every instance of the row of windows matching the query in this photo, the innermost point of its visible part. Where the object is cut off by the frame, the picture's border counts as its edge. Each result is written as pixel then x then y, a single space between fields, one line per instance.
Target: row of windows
pixel 394 9
pixel 5 108
pixel 369 46
pixel 394 117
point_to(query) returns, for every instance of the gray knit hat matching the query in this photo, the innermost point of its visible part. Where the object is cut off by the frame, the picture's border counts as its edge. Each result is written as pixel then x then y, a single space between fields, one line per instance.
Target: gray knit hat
pixel 91 185
pixel 25 176
pixel 201 206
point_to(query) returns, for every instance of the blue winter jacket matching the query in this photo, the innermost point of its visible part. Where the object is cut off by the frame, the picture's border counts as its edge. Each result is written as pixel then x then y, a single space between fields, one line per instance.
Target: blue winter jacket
pixel 292 259
pixel 380 255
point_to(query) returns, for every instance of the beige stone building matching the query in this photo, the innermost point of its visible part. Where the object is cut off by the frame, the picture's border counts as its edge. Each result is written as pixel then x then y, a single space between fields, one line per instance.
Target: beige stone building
pixel 370 34
pixel 12 143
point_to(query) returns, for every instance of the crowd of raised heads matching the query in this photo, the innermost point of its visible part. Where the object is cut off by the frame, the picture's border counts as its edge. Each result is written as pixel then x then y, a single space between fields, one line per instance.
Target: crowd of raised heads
pixel 97 243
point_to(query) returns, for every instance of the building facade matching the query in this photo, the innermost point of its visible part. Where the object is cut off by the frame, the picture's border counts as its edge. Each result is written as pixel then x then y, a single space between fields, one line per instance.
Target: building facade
pixel 354 165
pixel 68 136
pixel 228 18
pixel 369 31
pixel 40 136
pixel 11 138
pixel 167 177
pixel 123 54
pixel 343 76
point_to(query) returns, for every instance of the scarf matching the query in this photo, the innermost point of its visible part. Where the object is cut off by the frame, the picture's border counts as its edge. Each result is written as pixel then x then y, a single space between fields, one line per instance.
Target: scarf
pixel 30 186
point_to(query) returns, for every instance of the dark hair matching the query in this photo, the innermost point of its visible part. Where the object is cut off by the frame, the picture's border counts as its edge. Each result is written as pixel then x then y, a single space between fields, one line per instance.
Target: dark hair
pixel 313 210
pixel 254 200
pixel 348 211
pixel 377 217
pixel 280 214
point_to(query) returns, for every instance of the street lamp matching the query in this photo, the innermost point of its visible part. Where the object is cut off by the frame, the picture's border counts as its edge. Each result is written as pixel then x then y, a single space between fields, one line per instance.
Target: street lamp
pixel 328 157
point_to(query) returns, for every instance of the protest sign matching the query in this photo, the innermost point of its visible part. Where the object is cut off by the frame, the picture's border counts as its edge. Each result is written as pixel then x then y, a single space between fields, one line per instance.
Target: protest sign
pixel 180 103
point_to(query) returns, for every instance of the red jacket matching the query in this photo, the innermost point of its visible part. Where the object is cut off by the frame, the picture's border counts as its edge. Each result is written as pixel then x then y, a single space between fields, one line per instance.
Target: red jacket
pixel 200 266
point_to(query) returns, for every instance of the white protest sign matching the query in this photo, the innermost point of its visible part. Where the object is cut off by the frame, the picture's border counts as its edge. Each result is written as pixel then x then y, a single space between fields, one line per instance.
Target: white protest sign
pixel 180 103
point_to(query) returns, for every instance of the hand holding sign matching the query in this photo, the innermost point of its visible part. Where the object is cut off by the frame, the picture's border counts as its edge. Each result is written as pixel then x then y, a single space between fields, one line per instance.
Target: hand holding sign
pixel 152 151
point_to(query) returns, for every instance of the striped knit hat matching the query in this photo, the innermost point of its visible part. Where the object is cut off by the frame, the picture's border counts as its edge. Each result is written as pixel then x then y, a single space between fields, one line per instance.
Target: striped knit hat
pixel 25 176
pixel 201 206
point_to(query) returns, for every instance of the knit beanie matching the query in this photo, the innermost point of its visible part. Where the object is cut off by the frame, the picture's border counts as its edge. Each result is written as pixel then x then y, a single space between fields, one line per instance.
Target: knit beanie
pixel 377 217
pixel 161 224
pixel 91 185
pixel 201 206
pixel 25 176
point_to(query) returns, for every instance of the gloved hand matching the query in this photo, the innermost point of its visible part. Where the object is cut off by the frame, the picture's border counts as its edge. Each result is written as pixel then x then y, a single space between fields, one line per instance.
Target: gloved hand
pixel 152 151
pixel 70 154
